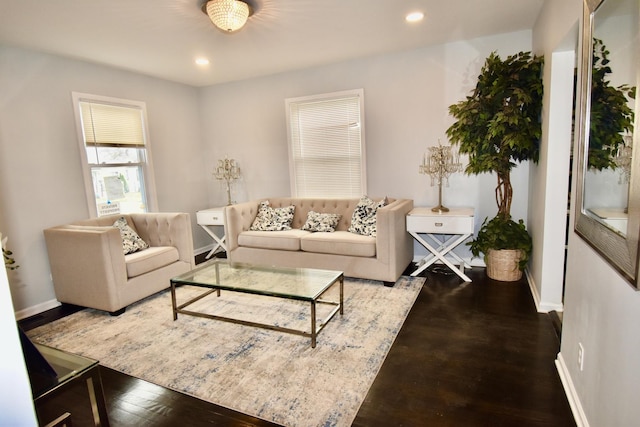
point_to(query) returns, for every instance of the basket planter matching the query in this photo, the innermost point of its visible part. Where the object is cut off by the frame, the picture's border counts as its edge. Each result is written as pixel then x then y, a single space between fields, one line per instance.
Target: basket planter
pixel 503 264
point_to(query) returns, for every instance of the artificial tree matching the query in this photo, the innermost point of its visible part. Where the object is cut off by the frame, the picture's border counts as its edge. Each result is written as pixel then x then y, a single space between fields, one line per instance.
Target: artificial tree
pixel 497 126
pixel 610 115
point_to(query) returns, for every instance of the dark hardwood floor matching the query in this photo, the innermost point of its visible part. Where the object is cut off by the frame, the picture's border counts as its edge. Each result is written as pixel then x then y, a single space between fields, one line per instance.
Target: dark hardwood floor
pixel 472 354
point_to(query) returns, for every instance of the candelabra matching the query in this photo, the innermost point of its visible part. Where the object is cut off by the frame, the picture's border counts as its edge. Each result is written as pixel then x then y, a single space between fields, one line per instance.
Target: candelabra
pixel 439 164
pixel 228 171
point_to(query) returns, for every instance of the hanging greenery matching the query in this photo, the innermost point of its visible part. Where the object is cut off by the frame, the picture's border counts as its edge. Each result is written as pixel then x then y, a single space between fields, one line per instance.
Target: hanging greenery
pixel 610 116
pixel 9 262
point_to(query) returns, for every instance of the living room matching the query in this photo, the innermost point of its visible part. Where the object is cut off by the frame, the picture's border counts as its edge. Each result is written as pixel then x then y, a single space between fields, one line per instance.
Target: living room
pixel 407 94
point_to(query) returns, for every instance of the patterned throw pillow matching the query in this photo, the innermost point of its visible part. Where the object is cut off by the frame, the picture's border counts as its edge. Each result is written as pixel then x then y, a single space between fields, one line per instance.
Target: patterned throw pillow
pixel 323 222
pixel 131 242
pixel 272 219
pixel 363 220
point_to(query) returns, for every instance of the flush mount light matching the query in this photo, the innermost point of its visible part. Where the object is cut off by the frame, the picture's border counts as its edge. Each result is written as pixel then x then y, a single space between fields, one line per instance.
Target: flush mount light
pixel 202 61
pixel 228 15
pixel 414 17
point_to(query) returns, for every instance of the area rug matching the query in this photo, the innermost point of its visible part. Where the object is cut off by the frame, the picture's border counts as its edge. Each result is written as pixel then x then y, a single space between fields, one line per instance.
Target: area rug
pixel 267 374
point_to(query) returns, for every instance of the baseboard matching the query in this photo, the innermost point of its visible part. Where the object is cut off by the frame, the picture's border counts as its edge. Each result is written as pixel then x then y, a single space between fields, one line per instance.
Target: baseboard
pixel 541 307
pixel 473 262
pixel 572 395
pixel 36 309
pixel 202 250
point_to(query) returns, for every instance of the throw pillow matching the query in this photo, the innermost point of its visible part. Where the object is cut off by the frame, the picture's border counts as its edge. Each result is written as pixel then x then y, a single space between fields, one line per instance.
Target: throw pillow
pixel 323 222
pixel 273 219
pixel 363 220
pixel 131 242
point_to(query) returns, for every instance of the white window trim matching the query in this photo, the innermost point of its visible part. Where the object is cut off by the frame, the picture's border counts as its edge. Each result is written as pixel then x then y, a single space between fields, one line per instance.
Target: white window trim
pixel 147 167
pixel 328 96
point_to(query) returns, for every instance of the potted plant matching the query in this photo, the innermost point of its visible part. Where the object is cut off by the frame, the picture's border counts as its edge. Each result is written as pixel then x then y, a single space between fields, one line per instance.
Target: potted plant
pixel 497 126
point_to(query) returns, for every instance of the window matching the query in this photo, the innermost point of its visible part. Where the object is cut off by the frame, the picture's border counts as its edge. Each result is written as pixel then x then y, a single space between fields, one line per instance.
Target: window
pixel 115 152
pixel 326 145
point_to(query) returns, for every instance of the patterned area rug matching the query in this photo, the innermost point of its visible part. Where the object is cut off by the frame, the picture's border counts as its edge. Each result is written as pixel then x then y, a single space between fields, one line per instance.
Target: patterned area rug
pixel 271 375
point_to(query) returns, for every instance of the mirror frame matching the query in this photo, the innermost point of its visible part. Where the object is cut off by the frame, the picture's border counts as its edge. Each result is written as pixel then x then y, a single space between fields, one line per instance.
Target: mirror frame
pixel 621 252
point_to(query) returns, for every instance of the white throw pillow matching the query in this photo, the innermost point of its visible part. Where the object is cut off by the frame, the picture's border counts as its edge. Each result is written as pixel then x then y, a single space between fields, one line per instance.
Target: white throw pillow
pixel 273 219
pixel 322 222
pixel 131 242
pixel 363 220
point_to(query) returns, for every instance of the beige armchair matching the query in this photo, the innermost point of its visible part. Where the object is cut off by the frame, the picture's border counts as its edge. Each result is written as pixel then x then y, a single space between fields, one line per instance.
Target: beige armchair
pixel 89 268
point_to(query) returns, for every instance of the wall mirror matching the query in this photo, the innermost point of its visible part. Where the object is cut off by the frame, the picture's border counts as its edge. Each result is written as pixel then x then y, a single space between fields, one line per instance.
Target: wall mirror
pixel 608 188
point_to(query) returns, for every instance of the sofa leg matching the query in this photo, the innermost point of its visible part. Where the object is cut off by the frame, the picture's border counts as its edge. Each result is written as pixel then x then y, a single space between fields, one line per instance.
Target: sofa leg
pixel 118 312
pixel 389 284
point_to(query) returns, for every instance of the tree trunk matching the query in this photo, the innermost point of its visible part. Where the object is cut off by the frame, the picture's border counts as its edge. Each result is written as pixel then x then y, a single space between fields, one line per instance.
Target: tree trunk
pixel 504 194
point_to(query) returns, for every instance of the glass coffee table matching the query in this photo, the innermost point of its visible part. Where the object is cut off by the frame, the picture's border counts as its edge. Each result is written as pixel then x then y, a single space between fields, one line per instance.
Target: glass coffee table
pixel 301 284
pixel 56 381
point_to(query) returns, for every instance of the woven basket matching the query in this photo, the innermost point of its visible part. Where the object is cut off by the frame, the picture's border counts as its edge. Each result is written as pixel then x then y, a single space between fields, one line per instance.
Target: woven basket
pixel 503 264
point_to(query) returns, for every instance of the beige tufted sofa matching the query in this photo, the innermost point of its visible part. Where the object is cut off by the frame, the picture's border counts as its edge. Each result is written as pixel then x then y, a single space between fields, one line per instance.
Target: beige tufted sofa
pixel 89 268
pixel 383 257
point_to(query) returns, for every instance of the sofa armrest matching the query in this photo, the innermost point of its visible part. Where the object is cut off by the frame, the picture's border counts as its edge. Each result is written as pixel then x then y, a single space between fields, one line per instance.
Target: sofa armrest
pixel 238 218
pixel 394 244
pixel 167 229
pixel 87 264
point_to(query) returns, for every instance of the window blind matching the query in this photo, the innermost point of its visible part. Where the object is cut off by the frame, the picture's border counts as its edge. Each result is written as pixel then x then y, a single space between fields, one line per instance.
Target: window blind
pixel 326 146
pixel 107 125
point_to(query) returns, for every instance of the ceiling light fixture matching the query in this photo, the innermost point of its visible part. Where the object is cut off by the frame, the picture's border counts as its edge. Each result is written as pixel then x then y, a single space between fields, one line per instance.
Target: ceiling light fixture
pixel 228 15
pixel 414 17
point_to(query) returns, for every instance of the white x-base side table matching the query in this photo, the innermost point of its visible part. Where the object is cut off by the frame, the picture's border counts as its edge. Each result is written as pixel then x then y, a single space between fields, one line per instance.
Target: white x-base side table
pixel 457 224
pixel 207 219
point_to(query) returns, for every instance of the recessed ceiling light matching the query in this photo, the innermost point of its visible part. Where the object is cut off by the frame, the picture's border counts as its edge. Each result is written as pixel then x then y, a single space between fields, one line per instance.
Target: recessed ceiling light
pixel 414 17
pixel 202 61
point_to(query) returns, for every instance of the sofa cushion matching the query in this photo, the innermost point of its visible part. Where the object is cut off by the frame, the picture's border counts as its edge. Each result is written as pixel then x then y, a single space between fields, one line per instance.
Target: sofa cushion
pixel 339 243
pixel 131 242
pixel 321 222
pixel 272 219
pixel 288 240
pixel 150 259
pixel 363 220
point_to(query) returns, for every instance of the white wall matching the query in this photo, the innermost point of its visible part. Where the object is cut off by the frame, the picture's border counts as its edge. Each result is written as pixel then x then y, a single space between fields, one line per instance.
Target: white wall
pixel 407 96
pixel 40 172
pixel 549 179
pixel 601 310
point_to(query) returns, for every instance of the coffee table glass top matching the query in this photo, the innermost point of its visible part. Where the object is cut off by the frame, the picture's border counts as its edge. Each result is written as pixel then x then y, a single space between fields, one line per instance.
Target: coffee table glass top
pixel 303 284
pixel 65 365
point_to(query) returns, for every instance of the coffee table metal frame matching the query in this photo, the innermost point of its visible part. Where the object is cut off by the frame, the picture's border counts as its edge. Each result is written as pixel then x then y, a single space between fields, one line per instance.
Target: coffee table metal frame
pixel 188 280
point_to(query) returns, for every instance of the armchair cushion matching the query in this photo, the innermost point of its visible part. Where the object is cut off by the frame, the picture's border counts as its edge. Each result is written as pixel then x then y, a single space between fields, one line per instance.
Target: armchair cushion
pixel 150 259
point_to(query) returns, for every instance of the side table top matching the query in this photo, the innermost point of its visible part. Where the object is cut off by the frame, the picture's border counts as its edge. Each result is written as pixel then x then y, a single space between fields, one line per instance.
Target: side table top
pixel 218 209
pixel 426 211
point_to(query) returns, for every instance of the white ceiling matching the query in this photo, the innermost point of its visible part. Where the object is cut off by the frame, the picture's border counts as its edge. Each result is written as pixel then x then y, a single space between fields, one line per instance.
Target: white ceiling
pixel 162 38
